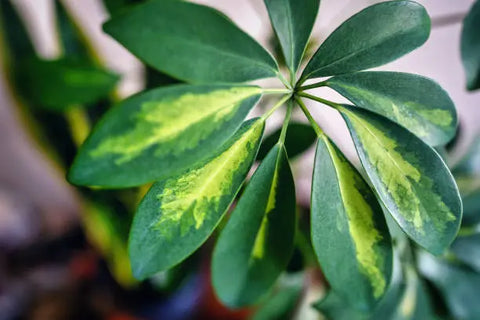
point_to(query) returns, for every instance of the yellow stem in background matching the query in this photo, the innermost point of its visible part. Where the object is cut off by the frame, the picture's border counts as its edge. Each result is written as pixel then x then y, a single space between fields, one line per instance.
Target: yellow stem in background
pixel 79 123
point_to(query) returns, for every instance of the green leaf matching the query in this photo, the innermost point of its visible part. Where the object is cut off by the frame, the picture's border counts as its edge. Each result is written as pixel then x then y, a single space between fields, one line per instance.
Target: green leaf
pixel 299 138
pixel 178 214
pixel 191 42
pixel 14 35
pixel 349 229
pixel 72 40
pixel 375 36
pixel 160 133
pixel 414 102
pixel 258 240
pixel 469 165
pixel 467 249
pixel 406 299
pixel 293 21
pixel 471 208
pixel 333 307
pixel 458 286
pixel 114 6
pixel 59 84
pixel 282 304
pixel 410 178
pixel 470 46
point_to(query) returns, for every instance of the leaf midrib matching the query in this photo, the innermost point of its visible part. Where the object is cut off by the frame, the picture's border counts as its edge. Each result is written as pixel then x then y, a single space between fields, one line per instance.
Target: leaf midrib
pixel 362 50
pixel 209 48
pixel 212 176
pixel 420 203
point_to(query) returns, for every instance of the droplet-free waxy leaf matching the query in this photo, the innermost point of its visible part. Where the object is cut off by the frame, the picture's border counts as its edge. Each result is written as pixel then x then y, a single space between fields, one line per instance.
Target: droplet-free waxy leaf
pixel 191 42
pixel 59 84
pixel 299 138
pixel 470 46
pixel 349 232
pixel 293 21
pixel 414 102
pixel 410 178
pixel 258 240
pixel 178 214
pixel 375 36
pixel 161 132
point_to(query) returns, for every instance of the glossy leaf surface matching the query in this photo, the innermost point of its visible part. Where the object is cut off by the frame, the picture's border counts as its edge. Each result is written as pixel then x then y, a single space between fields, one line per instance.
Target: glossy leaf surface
pixel 258 240
pixel 59 84
pixel 470 46
pixel 299 138
pixel 293 21
pixel 375 36
pixel 349 229
pixel 410 178
pixel 190 42
pixel 161 132
pixel 178 214
pixel 414 102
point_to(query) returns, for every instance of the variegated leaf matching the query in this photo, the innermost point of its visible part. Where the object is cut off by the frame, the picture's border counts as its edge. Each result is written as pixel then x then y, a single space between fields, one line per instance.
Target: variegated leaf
pixel 414 102
pixel 349 232
pixel 178 214
pixel 258 240
pixel 161 132
pixel 410 178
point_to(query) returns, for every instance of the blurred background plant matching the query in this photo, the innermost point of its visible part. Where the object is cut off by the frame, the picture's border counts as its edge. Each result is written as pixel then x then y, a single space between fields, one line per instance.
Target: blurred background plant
pixel 75 264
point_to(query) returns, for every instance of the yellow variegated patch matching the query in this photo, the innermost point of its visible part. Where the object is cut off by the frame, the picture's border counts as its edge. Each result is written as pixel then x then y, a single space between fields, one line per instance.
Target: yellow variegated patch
pixel 410 114
pixel 163 122
pixel 402 180
pixel 360 217
pixel 258 251
pixel 189 199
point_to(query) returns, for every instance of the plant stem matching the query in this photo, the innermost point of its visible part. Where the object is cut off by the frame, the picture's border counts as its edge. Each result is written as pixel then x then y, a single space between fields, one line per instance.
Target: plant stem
pixel 276 106
pixel 284 81
pixel 313 86
pixel 288 115
pixel 293 78
pixel 318 99
pixel 312 121
pixel 79 124
pixel 276 91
